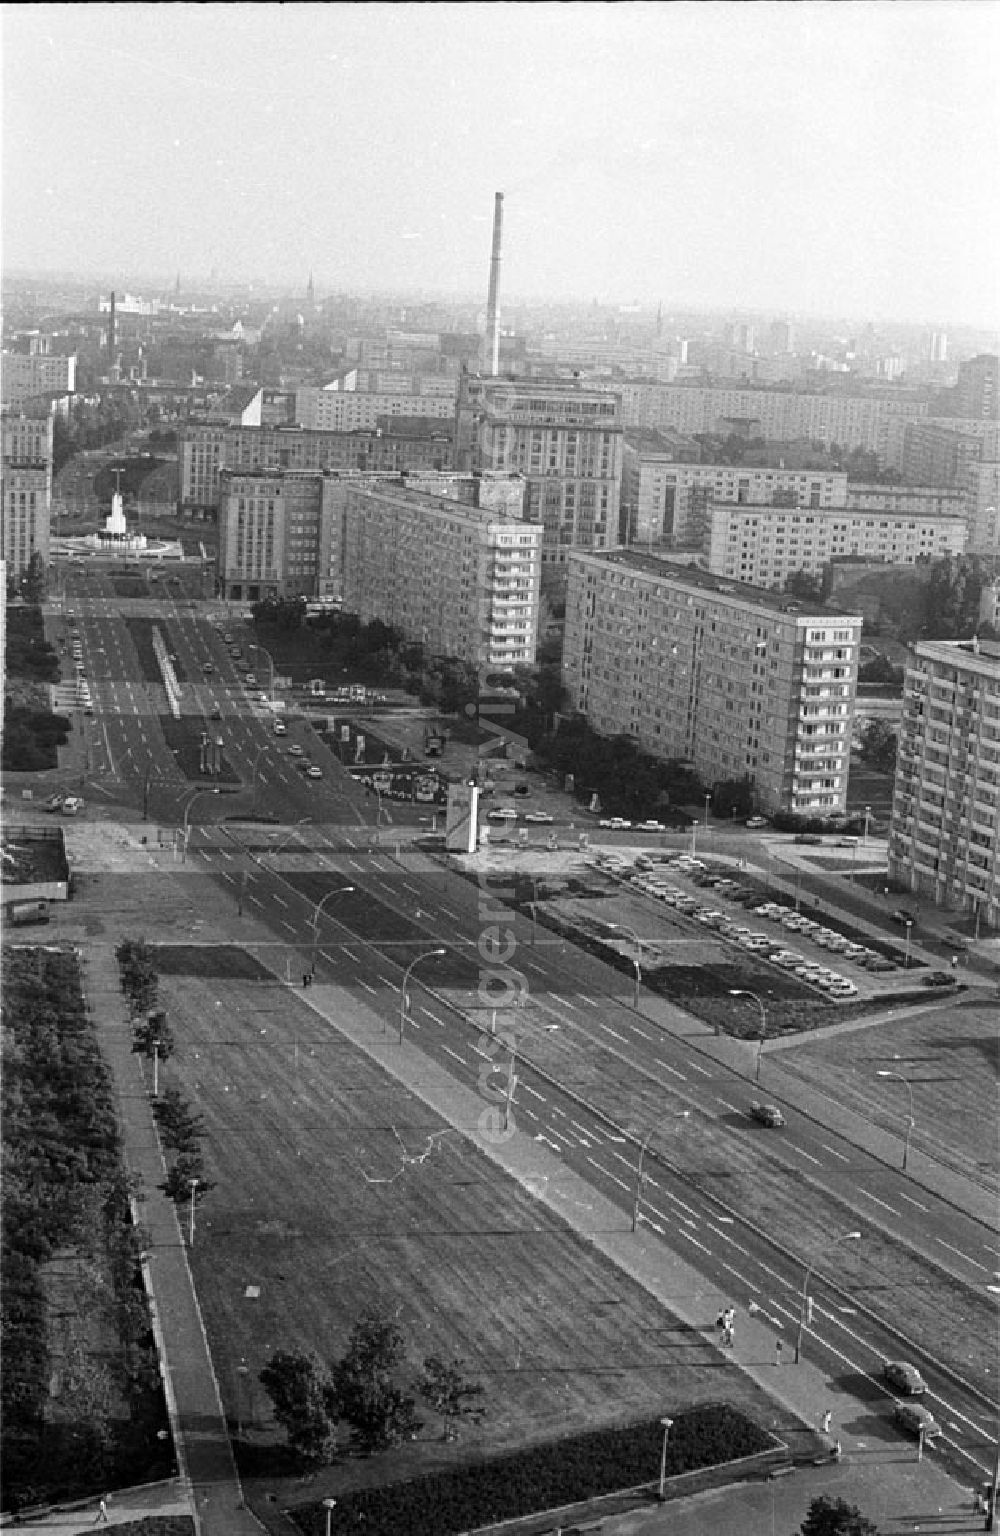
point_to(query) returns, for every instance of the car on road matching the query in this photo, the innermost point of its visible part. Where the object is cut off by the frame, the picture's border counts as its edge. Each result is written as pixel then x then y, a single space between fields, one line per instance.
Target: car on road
pixel 787 959
pixel 215 713
pixel 650 826
pixel 207 668
pixel 522 789
pixel 937 979
pixel 914 1417
pixel 312 772
pixel 902 916
pixel 54 803
pixel 250 681
pixel 615 824
pixel 295 750
pixel 904 1377
pixel 756 822
pixel 766 1114
pixel 502 813
pixel 812 838
pixel 228 638
pixel 539 817
pixel 280 728
pixel 878 963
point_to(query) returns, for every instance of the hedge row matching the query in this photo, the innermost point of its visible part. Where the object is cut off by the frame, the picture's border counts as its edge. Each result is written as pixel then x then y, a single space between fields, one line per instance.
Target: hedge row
pixel 544 1477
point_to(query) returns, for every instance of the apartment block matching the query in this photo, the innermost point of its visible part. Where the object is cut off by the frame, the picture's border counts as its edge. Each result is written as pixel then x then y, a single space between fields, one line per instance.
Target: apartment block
pixel 462 580
pixel 351 410
pixel 925 500
pixel 939 452
pixel 976 389
pixel 852 421
pixel 25 488
pixel 205 449
pixel 567 443
pixel 25 375
pixel 944 837
pixel 675 498
pixel 765 545
pixel 981 496
pixel 734 679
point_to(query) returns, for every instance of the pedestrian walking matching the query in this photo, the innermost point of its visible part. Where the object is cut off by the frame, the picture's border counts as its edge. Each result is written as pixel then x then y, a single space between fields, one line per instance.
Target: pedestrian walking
pixel 777 1351
pixel 826 1421
pixel 728 1325
pixel 102 1513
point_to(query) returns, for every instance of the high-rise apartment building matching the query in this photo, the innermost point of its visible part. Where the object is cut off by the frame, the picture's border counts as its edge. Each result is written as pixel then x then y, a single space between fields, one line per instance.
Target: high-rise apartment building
pixel 462 580
pixel 852 421
pixel 944 838
pixel 766 545
pixel 667 502
pixel 981 495
pixel 23 375
pixel 25 488
pixel 394 446
pixel 352 410
pixel 564 439
pixel 976 389
pixel 740 682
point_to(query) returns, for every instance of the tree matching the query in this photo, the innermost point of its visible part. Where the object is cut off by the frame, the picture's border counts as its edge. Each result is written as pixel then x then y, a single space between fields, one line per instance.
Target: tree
pixel 378 1411
pixel 35 581
pixel 878 746
pixel 835 1517
pixel 732 797
pixel 444 1390
pixel 305 1404
pixel 804 585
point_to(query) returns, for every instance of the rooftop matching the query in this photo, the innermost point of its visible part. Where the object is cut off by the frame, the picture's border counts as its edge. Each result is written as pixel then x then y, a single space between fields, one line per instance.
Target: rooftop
pixel 704 581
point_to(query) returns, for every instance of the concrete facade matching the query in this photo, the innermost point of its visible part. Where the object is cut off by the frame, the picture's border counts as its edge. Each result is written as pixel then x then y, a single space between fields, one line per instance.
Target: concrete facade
pixel 944 838
pixel 350 410
pixel 24 375
pixel 668 501
pixel 25 489
pixel 766 545
pixel 462 580
pixel 731 678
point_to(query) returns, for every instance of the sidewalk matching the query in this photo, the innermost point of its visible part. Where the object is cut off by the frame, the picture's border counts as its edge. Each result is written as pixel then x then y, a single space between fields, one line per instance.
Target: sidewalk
pixel 201 1437
pixel 124 1505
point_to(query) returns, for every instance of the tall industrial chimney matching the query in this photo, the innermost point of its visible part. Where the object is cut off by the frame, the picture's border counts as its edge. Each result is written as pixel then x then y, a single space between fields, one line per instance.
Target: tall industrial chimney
pixel 111 333
pixel 491 347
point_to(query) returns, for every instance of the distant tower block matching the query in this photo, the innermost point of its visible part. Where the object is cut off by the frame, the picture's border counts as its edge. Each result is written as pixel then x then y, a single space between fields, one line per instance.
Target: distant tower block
pixel 111 332
pixel 491 346
pixel 311 292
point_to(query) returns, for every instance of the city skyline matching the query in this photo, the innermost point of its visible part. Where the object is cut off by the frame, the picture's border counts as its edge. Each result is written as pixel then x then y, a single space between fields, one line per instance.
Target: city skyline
pixel 809 158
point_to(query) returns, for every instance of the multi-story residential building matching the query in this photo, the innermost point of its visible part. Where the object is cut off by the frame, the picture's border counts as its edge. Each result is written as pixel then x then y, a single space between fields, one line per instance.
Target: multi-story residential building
pixel 26 489
pixel 23 375
pixel 944 838
pixel 981 495
pixel 401 444
pixel 282 531
pixel 351 410
pixel 852 421
pixel 989 605
pixel 462 580
pixel 671 499
pixel 766 545
pixel 939 451
pixel 926 500
pixel 566 440
pixel 976 389
pixel 734 679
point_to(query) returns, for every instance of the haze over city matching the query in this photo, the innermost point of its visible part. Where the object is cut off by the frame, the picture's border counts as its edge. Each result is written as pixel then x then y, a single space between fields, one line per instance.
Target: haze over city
pixel 835 159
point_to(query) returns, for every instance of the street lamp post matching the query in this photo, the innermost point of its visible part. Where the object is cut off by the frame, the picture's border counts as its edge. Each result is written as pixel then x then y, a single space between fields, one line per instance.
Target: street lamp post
pixel 194 1186
pixel 640 1177
pixel 329 1505
pixel 667 1426
pixel 845 1237
pixel 259 649
pixel 635 960
pixel 899 1078
pixel 156 1069
pixel 906 956
pixel 253 775
pixel 534 909
pixel 404 996
pixel 741 992
pixel 341 890
pixel 868 817
pixel 186 829
pixel 378 815
pixel 708 802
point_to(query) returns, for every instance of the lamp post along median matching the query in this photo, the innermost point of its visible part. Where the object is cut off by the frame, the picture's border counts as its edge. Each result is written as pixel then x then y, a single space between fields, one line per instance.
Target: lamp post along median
pixel 667 1426
pixel 640 1176
pixel 910 1122
pixel 637 986
pixel 342 890
pixel 742 992
pixel 329 1505
pixel 404 995
pixel 806 1300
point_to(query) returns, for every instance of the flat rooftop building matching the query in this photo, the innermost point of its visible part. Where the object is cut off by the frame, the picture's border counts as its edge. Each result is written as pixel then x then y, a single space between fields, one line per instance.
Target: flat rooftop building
pixel 742 683
pixel 944 837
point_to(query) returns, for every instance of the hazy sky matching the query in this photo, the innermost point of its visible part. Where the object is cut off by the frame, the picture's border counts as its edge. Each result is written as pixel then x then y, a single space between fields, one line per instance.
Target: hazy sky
pixel 836 158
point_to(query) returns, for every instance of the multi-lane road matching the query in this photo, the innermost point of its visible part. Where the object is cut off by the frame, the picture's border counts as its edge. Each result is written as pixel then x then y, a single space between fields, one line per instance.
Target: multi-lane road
pixel 588 1075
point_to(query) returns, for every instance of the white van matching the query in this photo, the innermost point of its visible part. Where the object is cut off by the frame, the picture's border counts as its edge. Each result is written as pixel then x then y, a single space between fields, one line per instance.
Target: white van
pixel 72 805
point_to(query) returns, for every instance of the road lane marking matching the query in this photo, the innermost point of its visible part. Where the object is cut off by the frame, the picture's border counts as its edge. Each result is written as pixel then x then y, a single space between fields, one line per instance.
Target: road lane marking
pixel 640 1032
pixel 592 1002
pixel 534 1093
pixel 554 1145
pixel 454 1054
pixel 911 1201
pixel 833 1152
pixel 952 1249
pixel 692 1239
pixel 287 925
pixel 608 1030
pixel 726 1105
pixel 583 1130
pixel 868 1195
pixel 367 987
pixel 672 1070
pixel 434 1016
pixel 279 900
pixel 803 1153
pixel 696 1068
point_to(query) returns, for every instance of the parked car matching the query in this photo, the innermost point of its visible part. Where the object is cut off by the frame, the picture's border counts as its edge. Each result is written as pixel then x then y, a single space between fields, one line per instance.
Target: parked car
pixel 756 822
pixel 902 916
pixel 766 1114
pixel 539 817
pixel 522 789
pixel 215 713
pixel 937 979
pixel 502 813
pixel 904 1377
pixel 812 838
pixel 312 772
pixel 650 826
